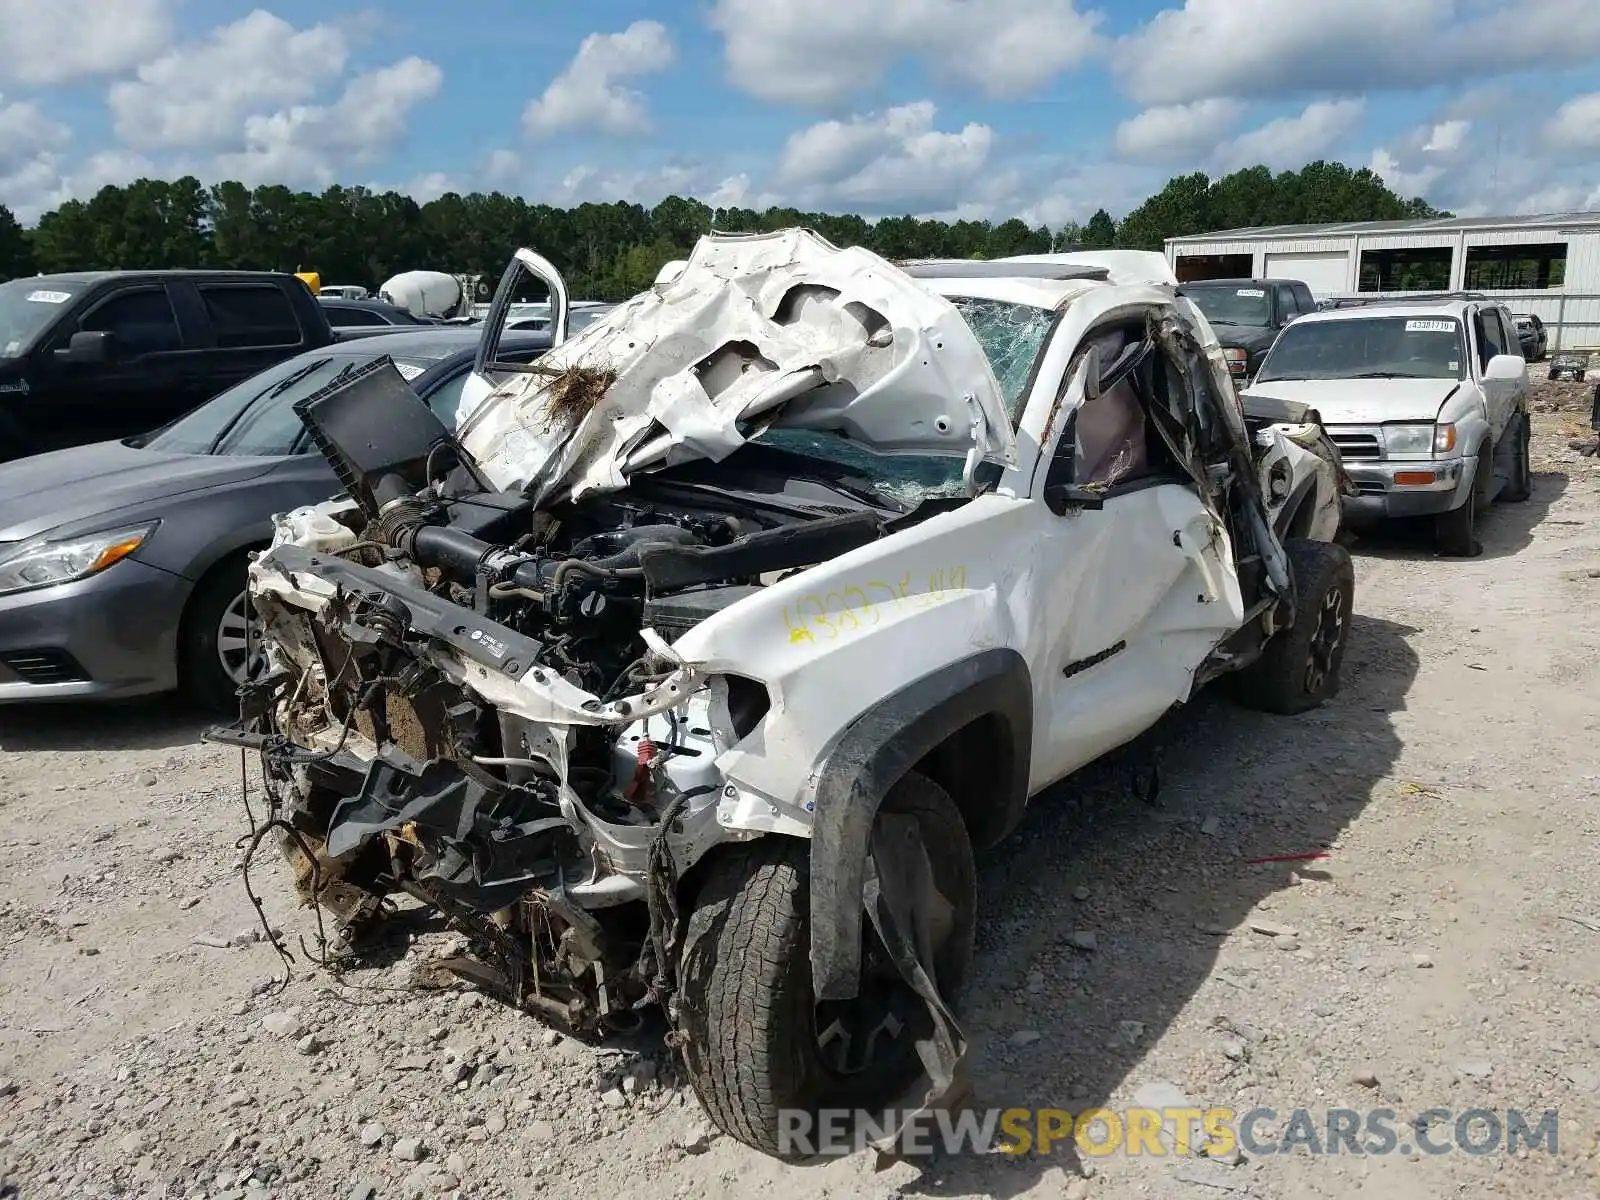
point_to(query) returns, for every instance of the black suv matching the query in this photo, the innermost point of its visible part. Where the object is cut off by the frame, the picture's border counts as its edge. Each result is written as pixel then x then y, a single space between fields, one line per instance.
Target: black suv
pixel 1247 314
pixel 91 356
pixel 1532 336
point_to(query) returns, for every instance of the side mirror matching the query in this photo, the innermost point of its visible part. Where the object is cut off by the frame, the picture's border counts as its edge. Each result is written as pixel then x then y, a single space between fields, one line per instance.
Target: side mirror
pixel 88 347
pixel 1506 368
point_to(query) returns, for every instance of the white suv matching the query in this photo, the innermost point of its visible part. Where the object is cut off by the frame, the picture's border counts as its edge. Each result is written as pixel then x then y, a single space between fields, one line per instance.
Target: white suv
pixel 1426 400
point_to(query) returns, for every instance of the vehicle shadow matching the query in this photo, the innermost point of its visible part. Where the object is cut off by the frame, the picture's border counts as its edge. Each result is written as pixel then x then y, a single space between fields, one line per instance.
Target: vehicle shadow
pixel 1505 530
pixel 1056 1025
pixel 158 723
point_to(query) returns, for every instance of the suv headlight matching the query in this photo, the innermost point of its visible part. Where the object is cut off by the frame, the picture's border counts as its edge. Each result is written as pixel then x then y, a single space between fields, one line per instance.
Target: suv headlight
pixel 1408 441
pixel 45 563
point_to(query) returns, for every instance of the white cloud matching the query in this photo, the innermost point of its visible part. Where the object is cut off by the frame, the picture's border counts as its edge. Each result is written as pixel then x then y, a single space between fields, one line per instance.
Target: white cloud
pixel 501 168
pixel 1418 161
pixel 1447 137
pixel 1402 182
pixel 1054 193
pixel 49 42
pixel 308 144
pixel 430 185
pixel 26 133
pixel 1291 142
pixel 1271 48
pixel 648 186
pixel 30 156
pixel 884 162
pixel 1576 124
pixel 589 93
pixel 200 94
pixel 1479 166
pixel 1176 132
pixel 821 54
pixel 33 185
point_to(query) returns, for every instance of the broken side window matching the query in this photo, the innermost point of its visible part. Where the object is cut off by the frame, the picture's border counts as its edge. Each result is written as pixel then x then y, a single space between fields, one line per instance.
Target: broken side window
pixel 1012 337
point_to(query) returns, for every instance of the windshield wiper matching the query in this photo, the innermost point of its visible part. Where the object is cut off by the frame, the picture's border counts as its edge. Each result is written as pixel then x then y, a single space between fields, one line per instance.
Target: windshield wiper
pixel 285 384
pixel 277 390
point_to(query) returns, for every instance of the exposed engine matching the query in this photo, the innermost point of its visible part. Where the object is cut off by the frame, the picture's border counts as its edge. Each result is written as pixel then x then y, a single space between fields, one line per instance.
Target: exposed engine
pixel 430 589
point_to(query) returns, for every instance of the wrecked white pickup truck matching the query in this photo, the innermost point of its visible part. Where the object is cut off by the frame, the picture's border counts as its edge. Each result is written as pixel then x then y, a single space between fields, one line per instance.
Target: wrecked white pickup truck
pixel 691 668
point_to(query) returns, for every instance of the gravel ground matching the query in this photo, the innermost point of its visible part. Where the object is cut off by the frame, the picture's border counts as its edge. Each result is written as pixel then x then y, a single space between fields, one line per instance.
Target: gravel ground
pixel 1445 954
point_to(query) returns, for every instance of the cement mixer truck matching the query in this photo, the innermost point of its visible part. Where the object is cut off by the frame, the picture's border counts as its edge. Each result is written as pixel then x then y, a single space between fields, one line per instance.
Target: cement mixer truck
pixel 436 294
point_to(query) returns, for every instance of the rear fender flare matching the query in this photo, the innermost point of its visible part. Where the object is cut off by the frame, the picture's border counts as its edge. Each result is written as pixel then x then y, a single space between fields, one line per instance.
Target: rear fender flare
pixel 875 750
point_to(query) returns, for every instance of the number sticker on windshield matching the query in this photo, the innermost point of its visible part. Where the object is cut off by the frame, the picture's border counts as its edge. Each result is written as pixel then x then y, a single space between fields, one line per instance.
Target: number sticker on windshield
pixel 49 297
pixel 1430 326
pixel 1254 293
pixel 408 371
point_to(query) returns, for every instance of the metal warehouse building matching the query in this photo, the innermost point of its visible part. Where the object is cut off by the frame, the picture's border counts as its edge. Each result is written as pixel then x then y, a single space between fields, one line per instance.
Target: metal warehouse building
pixel 1545 265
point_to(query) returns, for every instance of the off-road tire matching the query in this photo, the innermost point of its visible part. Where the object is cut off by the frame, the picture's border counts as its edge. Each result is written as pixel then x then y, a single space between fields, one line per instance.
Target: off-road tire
pixel 746 1004
pixel 1281 680
pixel 1455 533
pixel 201 678
pixel 1520 486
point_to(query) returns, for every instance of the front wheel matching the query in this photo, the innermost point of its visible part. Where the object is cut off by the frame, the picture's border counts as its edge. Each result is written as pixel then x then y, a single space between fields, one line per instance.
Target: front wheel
pixel 1455 533
pixel 1299 669
pixel 214 642
pixel 757 1043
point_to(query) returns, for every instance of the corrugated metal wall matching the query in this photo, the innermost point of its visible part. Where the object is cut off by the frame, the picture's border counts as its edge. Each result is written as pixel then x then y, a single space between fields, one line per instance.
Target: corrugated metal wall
pixel 1408 241
pixel 1272 246
pixel 1583 262
pixel 1572 311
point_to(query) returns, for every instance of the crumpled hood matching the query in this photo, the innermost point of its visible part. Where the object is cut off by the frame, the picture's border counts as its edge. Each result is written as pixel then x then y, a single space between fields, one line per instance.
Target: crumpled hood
pixel 1363 401
pixel 757 330
pixel 48 491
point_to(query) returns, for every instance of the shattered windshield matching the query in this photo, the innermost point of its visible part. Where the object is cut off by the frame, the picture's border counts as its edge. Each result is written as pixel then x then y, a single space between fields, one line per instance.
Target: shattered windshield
pixel 1012 335
pixel 1232 305
pixel 904 480
pixel 1368 348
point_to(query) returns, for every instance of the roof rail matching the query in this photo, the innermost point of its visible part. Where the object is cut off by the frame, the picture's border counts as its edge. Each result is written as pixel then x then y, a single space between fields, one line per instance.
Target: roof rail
pixel 1402 298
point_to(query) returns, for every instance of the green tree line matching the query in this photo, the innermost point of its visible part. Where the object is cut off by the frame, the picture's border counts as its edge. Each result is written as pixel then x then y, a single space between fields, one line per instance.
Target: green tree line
pixel 353 235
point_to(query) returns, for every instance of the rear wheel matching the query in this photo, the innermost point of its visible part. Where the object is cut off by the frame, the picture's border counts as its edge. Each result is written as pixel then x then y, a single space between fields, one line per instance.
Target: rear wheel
pixel 1520 486
pixel 757 1042
pixel 1299 669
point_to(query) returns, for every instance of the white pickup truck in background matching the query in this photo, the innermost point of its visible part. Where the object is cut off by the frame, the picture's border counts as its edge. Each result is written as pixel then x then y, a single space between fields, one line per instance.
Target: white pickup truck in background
pixel 1426 400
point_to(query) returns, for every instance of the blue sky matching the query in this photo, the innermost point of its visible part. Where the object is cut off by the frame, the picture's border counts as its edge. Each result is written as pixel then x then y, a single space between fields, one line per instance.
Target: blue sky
pixel 1045 109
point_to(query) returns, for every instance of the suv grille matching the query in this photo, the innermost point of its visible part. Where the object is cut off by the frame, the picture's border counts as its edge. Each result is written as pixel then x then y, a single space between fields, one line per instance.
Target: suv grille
pixel 44 666
pixel 1357 446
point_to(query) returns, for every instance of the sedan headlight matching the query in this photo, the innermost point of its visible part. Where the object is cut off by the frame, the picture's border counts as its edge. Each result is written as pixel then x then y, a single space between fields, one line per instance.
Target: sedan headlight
pixel 44 562
pixel 1408 441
